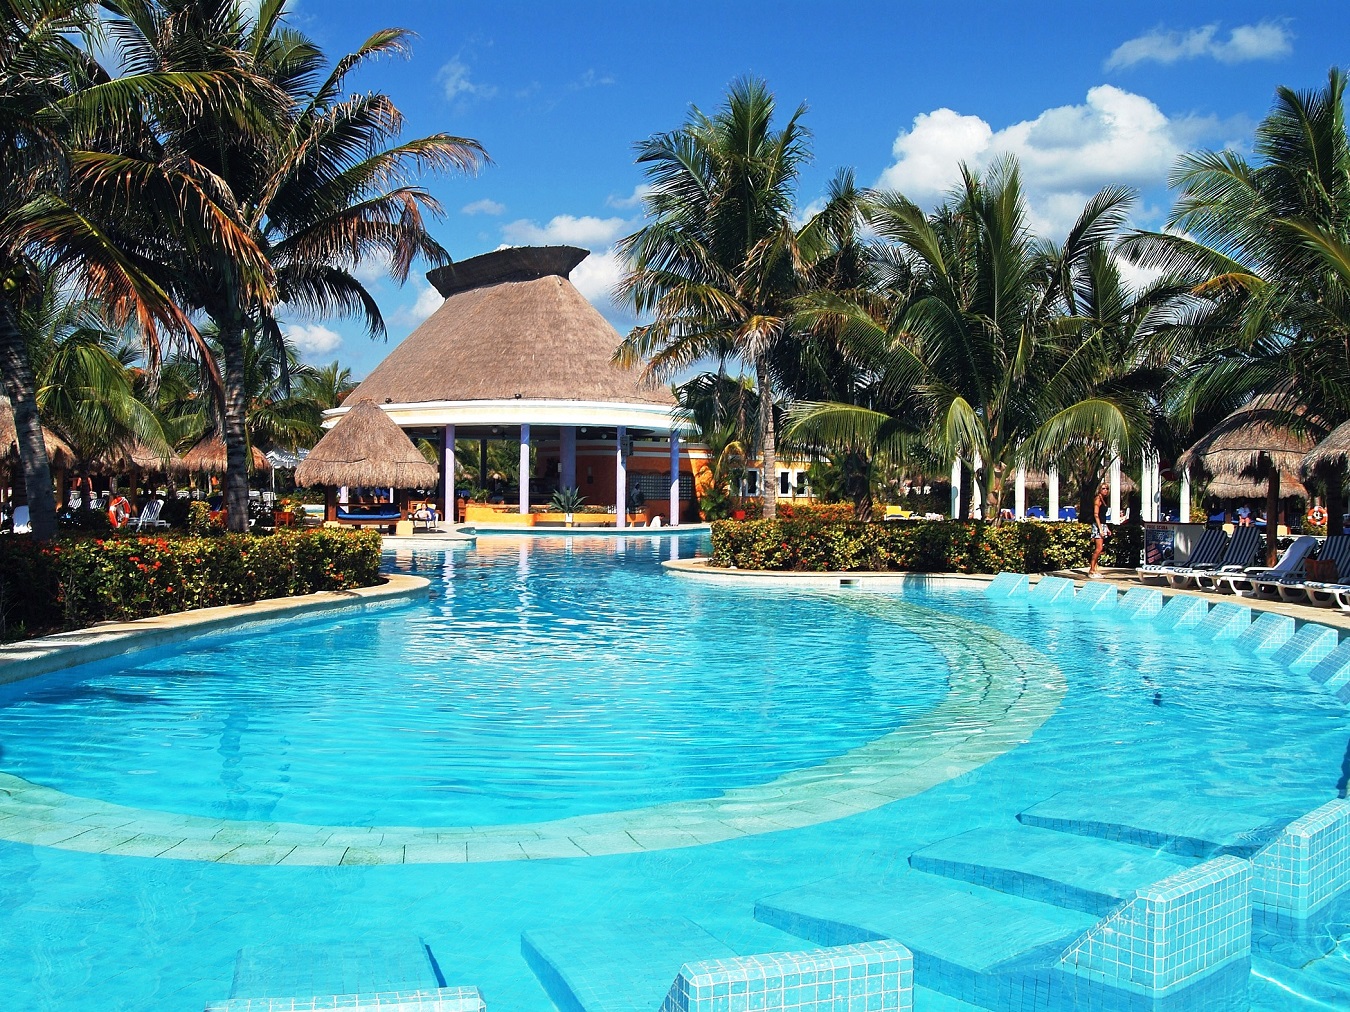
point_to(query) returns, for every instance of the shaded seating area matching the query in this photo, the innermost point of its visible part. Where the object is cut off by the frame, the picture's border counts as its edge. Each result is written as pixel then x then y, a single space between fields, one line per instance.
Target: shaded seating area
pixel 366 450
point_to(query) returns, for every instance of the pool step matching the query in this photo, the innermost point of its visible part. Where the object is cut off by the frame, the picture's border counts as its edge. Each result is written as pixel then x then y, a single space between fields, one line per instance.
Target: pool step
pixel 389 975
pixel 675 965
pixel 1178 943
pixel 1089 875
pixel 1174 827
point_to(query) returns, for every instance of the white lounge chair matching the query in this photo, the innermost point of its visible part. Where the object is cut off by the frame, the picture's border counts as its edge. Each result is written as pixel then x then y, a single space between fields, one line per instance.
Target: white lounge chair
pixel 1207 552
pixel 1323 593
pixel 149 518
pixel 1240 553
pixel 1258 581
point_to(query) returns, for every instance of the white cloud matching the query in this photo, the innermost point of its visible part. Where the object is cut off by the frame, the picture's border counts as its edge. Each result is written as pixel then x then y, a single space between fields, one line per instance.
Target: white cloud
pixel 566 229
pixel 484 206
pixel 1266 40
pixel 591 79
pixel 454 80
pixel 597 275
pixel 1066 153
pixel 428 301
pixel 311 339
pixel 634 199
pixel 370 269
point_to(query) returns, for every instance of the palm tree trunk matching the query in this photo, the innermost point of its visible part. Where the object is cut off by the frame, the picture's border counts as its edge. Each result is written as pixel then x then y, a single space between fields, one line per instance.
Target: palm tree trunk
pixel 768 454
pixel 236 438
pixel 21 386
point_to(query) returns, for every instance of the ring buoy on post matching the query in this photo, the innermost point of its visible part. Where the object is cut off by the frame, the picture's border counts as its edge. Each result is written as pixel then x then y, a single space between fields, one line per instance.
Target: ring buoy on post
pixel 119 509
pixel 1317 516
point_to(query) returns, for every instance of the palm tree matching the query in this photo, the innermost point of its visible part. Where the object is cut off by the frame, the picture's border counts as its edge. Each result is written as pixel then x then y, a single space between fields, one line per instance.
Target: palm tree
pixel 717 266
pixel 974 360
pixel 65 124
pixel 313 176
pixel 1266 244
pixel 327 386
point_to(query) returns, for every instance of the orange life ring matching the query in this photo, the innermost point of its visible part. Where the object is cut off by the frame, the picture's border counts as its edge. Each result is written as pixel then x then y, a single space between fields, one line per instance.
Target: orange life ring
pixel 1317 516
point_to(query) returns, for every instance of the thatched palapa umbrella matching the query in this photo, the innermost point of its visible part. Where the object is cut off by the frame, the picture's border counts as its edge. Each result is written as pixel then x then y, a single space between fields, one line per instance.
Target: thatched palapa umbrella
pixel 1328 459
pixel 365 448
pixel 207 456
pixel 1258 441
pixel 59 453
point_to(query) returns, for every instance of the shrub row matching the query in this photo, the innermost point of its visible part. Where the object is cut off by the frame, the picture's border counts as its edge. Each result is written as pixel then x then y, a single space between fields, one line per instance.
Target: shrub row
pixel 924 546
pixel 79 581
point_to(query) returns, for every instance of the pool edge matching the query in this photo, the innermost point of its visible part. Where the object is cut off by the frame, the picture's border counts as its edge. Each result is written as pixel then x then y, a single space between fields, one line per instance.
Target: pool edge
pixel 45 654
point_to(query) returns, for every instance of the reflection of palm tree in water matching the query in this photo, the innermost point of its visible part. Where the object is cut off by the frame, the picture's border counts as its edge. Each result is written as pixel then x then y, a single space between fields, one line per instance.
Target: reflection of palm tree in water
pixel 237 790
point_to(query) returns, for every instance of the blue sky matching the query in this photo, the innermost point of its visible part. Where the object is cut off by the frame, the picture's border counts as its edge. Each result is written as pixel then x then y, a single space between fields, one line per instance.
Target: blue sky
pixel 1086 94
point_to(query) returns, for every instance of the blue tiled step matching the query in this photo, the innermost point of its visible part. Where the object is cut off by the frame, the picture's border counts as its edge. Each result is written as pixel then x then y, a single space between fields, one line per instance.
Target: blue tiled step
pixel 1175 827
pixel 952 929
pixel 283 971
pixel 1089 875
pixel 581 970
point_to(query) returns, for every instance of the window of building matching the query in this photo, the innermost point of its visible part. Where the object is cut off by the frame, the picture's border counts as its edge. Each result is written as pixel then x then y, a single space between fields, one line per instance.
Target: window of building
pixel 657 486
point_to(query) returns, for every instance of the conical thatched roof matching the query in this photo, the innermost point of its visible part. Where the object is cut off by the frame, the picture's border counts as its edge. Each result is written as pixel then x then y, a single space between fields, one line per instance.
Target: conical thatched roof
pixel 512 326
pixel 1333 451
pixel 207 456
pixel 1259 428
pixel 58 450
pixel 1227 486
pixel 366 448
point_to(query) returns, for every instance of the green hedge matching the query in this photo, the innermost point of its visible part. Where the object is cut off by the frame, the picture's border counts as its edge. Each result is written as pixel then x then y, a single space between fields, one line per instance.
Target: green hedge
pixel 78 581
pixel 923 546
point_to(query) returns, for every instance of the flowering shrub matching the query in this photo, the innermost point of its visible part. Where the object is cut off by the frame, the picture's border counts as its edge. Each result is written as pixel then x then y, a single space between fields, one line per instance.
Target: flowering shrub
pixel 76 582
pixel 936 546
pixel 788 510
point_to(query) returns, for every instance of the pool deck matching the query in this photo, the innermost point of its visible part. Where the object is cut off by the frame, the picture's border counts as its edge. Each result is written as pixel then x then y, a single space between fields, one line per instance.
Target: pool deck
pixel 44 654
pixel 1122 579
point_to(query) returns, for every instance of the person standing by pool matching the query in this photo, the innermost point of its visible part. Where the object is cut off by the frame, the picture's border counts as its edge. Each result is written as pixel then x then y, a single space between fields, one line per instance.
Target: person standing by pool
pixel 1100 532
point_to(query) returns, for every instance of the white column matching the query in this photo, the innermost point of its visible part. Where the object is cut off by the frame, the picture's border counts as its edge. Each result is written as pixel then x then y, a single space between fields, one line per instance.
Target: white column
pixel 524 468
pixel 1184 513
pixel 1020 494
pixel 1145 486
pixel 956 489
pixel 1052 479
pixel 976 493
pixel 568 436
pixel 1115 490
pixel 448 448
pixel 1155 482
pixel 620 480
pixel 674 477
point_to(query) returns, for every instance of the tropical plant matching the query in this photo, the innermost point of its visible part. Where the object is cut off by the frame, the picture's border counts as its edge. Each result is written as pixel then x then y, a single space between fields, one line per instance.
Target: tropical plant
pixel 567 500
pixel 1268 245
pixel 68 130
pixel 717 265
pixel 313 175
pixel 981 358
pixel 327 386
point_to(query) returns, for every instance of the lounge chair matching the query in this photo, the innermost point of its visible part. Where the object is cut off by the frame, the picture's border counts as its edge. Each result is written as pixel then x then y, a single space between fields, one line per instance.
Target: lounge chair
pixel 1068 513
pixel 1035 513
pixel 1258 581
pixel 149 518
pixel 1324 593
pixel 426 517
pixel 1243 549
pixel 1207 552
pixel 22 523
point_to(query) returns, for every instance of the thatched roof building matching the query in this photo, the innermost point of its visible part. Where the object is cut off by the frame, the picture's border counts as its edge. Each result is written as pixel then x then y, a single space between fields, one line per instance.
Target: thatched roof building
pixel 1334 451
pixel 207 456
pixel 1227 486
pixel 366 448
pixel 1248 438
pixel 141 458
pixel 514 342
pixel 58 450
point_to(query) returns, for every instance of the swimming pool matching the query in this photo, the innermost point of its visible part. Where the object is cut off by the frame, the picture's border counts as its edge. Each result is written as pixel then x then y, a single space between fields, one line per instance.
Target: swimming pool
pixel 567 682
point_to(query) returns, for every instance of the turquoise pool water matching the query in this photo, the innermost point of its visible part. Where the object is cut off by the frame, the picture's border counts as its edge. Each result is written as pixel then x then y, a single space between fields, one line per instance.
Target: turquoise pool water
pixel 550 679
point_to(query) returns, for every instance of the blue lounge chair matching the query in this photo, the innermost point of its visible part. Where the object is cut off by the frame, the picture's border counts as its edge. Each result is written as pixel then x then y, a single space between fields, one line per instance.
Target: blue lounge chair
pixel 1207 553
pixel 1068 512
pixel 1035 513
